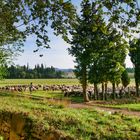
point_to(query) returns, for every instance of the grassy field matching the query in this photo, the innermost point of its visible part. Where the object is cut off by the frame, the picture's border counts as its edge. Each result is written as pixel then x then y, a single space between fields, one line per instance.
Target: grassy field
pixel 81 124
pixel 5 82
pixel 39 81
pixel 52 95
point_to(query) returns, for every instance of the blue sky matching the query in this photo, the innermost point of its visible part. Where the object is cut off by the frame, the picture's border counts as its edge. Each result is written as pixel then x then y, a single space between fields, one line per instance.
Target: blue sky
pixel 56 56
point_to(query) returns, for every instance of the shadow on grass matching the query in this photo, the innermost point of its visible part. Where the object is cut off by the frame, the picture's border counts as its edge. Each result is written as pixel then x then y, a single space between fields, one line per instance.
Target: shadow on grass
pixel 5 94
pixel 77 99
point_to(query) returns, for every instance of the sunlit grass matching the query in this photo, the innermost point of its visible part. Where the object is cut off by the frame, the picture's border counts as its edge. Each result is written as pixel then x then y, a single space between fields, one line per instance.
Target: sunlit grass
pixel 135 107
pixel 5 82
pixel 39 81
pixel 51 95
pixel 81 124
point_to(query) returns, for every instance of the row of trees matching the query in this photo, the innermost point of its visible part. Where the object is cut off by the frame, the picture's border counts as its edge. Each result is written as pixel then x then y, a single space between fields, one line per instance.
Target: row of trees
pixel 38 72
pixel 99 43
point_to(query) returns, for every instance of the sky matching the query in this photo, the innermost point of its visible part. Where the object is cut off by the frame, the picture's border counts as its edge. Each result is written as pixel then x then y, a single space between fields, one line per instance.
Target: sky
pixel 57 56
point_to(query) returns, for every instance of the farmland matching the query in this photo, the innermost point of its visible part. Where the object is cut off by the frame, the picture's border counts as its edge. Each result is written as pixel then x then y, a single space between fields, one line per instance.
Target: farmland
pixel 78 124
pixel 43 81
pixel 38 81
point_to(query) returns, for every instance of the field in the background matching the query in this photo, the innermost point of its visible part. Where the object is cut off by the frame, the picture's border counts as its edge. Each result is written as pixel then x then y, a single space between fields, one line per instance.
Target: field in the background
pixel 39 81
pixel 43 81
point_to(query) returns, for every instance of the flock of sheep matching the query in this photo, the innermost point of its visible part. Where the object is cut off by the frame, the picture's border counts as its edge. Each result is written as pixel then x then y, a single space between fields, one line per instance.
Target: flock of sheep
pixel 67 90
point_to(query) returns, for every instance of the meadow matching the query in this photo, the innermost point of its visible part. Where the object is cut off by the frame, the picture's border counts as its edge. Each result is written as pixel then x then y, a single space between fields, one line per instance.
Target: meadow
pixel 5 82
pixel 80 124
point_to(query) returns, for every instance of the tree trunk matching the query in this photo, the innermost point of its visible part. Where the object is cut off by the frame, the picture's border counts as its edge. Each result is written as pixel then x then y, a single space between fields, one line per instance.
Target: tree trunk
pixel 128 92
pixel 137 89
pixel 113 90
pixel 86 98
pixel 137 80
pixel 96 91
pixel 84 84
pixel 105 91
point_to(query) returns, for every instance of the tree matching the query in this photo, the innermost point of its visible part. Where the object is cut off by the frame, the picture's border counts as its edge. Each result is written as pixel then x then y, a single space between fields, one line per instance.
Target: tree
pixel 81 38
pixel 135 58
pixel 99 43
pixel 20 18
pixel 109 60
pixel 19 72
pixel 6 54
pixel 125 79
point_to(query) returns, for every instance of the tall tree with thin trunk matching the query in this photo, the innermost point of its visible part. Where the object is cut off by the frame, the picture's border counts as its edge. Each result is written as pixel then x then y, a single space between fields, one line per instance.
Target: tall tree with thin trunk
pixel 135 58
pixel 81 39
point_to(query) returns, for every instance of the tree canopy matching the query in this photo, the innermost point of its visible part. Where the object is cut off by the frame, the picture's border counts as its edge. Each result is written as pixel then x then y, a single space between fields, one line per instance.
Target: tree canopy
pixel 99 40
pixel 135 58
pixel 38 72
pixel 20 18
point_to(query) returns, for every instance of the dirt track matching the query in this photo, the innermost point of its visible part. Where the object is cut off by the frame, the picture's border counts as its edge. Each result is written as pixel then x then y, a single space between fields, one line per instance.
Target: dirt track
pixel 106 109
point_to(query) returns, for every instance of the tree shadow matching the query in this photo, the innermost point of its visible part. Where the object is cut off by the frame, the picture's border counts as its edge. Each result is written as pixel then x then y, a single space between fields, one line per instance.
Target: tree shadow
pixel 5 94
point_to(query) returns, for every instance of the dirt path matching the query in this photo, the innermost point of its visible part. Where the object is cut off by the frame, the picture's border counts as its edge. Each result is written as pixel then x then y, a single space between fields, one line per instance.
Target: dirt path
pixel 106 109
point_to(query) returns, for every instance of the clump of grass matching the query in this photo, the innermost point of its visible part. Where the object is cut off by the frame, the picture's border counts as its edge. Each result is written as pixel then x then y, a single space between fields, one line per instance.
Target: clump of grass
pixel 60 103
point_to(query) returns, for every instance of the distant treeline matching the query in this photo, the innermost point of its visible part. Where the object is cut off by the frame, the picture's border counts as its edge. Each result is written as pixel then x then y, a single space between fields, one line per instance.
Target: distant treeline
pixel 38 72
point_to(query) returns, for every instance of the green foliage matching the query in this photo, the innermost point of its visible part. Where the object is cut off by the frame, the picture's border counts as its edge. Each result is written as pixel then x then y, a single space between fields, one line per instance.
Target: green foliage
pixel 135 58
pixel 99 40
pixel 125 78
pixel 81 38
pixel 3 72
pixel 39 72
pixel 19 19
pixel 22 18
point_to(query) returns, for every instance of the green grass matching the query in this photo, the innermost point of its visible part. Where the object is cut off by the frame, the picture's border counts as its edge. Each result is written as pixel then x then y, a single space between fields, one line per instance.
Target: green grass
pixel 53 94
pixel 39 81
pixel 81 124
pixel 5 82
pixel 135 107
